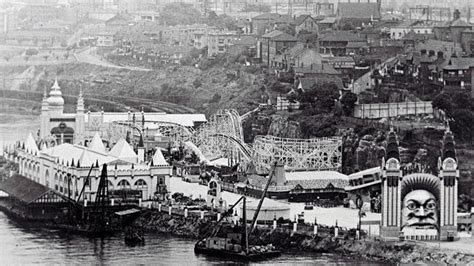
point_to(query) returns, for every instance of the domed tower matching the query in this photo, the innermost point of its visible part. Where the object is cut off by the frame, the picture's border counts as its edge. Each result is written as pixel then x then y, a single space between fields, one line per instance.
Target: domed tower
pixel 391 179
pixel 55 100
pixel 80 120
pixel 449 177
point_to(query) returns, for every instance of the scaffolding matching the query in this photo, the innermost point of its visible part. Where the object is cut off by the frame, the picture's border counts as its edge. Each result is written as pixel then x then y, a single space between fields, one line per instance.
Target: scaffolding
pixel 297 154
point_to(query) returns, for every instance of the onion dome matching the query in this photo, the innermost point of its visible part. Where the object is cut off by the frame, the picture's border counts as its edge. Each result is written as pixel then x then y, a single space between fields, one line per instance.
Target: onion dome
pixel 55 95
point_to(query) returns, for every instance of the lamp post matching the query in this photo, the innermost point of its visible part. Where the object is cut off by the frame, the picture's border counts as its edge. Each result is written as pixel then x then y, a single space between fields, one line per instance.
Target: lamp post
pixel 359 204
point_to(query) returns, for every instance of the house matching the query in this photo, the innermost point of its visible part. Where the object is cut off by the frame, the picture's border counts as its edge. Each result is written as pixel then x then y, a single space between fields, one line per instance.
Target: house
pixel 340 43
pixel 219 41
pixel 311 185
pixel 458 74
pixel 327 23
pixel 306 23
pixel 451 30
pixel 340 62
pixel 358 14
pixel 297 56
pixel 243 44
pixel 270 21
pixel 418 27
pixel 275 43
pixel 105 39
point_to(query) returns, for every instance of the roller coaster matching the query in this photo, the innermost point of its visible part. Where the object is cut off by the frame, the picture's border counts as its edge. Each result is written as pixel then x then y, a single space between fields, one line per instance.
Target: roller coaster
pixel 222 136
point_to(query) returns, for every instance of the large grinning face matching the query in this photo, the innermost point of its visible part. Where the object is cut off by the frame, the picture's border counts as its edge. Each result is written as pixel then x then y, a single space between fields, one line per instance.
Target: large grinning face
pixel 420 210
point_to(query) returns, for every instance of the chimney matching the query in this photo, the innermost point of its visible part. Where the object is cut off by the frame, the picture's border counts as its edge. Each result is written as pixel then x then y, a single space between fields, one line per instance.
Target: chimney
pixel 456 15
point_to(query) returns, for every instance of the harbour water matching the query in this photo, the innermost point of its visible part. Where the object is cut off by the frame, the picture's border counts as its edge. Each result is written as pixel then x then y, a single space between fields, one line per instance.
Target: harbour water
pixel 21 244
pixel 26 244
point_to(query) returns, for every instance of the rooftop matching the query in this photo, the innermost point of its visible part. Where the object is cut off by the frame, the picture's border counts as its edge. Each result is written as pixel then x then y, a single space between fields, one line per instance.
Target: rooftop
pixel 339 35
pixel 277 35
pixel 317 179
pixel 456 63
pixel 24 189
pixel 308 83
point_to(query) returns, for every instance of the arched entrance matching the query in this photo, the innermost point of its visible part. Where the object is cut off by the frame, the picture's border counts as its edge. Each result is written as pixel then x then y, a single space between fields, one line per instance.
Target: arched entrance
pixel 63 133
pixel 140 184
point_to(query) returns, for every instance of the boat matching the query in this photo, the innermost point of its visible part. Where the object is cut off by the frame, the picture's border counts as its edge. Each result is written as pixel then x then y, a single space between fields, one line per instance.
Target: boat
pixel 235 244
pixel 134 236
pixel 235 251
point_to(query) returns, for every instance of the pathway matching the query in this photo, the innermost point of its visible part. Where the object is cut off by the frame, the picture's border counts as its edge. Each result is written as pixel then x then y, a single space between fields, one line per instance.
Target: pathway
pixel 89 56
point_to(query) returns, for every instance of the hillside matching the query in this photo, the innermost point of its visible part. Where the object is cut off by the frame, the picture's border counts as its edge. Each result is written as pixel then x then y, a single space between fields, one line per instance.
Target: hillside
pixel 204 90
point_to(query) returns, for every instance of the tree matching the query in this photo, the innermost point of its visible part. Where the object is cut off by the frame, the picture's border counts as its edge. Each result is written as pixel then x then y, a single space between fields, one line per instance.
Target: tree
pixel 179 13
pixel 348 101
pixel 326 95
pixel 443 102
pixel 287 29
pixel 463 123
pixel 347 26
pixel 31 52
pixel 197 83
pixel 216 98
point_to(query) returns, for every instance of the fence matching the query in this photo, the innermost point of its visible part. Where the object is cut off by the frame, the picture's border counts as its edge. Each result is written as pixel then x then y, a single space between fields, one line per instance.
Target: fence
pixel 381 110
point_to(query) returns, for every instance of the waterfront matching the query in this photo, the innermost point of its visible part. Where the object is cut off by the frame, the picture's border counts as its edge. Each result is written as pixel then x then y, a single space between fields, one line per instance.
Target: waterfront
pixel 33 245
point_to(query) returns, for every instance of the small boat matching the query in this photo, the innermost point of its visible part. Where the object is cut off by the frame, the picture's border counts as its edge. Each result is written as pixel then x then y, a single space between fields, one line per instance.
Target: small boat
pixel 236 244
pixel 134 236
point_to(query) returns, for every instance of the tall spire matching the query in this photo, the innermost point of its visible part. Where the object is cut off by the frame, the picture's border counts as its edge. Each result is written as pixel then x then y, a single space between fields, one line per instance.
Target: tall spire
pixel 44 103
pixel 80 102
pixel 448 150
pixel 392 145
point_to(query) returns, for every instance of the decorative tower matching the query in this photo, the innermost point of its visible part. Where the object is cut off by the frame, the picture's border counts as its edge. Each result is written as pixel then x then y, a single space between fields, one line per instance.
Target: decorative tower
pixel 55 100
pixel 141 150
pixel 44 117
pixel 80 120
pixel 449 177
pixel 391 179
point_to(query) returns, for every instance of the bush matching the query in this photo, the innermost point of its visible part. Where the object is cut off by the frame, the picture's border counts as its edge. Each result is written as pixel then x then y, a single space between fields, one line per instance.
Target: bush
pixel 216 98
pixel 197 83
pixel 31 52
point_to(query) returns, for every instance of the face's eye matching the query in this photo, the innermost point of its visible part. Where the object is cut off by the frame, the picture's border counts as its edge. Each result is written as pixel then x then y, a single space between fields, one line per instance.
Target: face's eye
pixel 411 206
pixel 431 205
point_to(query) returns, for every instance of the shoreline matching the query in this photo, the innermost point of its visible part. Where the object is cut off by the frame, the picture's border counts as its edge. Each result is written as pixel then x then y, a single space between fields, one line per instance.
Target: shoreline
pixel 368 249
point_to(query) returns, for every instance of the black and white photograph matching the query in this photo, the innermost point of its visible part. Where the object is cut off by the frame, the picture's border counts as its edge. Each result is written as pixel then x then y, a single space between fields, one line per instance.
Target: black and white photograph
pixel 236 132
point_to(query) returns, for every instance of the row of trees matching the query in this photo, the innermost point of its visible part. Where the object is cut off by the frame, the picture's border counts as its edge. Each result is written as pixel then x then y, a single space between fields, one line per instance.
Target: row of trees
pixel 459 110
pixel 185 14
